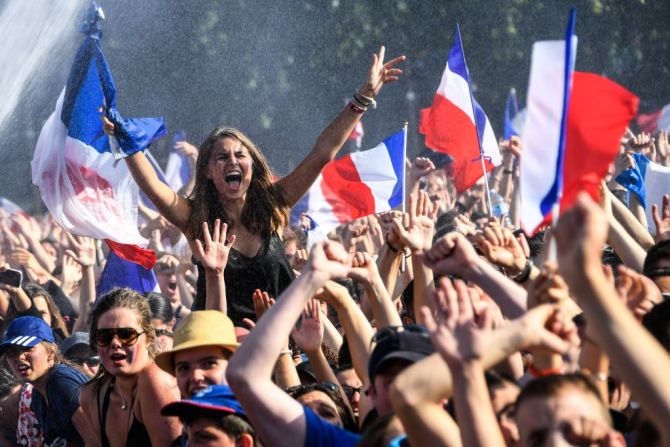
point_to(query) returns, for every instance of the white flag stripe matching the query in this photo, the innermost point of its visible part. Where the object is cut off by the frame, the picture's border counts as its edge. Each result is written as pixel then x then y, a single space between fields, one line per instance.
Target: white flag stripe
pixel 542 128
pixel 656 184
pixel 456 89
pixel 375 169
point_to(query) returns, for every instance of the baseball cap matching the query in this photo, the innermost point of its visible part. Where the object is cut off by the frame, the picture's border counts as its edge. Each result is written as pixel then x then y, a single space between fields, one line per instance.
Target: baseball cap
pixel 78 338
pixel 199 328
pixel 211 400
pixel 26 332
pixel 410 343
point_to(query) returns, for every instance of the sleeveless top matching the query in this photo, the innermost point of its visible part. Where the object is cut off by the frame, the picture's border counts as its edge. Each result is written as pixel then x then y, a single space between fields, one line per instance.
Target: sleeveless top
pixel 268 271
pixel 137 435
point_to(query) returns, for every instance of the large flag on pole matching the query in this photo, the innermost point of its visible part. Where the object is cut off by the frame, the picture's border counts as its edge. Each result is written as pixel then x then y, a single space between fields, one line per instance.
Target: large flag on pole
pixel 74 167
pixel 357 185
pixel 455 124
pixel 573 127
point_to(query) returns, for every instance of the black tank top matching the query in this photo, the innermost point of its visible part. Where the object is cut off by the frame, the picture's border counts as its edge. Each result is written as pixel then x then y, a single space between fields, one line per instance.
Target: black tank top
pixel 137 435
pixel 268 271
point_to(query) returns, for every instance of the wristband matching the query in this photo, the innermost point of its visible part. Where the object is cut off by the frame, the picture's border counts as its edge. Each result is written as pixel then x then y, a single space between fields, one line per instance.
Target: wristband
pixel 285 351
pixel 544 372
pixel 525 273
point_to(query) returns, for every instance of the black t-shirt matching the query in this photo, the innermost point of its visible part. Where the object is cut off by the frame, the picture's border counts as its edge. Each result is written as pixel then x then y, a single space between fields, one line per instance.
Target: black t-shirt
pixel 268 271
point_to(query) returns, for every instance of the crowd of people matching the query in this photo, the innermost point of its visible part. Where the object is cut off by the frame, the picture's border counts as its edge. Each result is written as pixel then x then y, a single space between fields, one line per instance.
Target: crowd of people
pixel 438 326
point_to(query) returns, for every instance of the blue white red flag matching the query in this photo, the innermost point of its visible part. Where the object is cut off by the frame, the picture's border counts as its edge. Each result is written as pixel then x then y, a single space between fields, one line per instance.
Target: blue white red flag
pixel 85 190
pixel 511 111
pixel 573 127
pixel 120 272
pixel 357 185
pixel 455 124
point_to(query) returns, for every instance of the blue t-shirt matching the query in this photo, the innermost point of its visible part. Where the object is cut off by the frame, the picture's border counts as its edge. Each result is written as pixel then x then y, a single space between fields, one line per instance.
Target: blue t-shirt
pixel 319 433
pixel 55 419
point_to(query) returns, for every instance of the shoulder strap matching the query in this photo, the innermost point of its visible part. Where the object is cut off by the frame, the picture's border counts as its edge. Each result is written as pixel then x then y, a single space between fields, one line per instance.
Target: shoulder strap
pixel 102 414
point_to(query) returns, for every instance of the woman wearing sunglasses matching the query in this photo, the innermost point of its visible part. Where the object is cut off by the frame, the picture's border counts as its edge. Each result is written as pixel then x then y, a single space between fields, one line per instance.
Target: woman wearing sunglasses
pixel 123 401
pixel 49 412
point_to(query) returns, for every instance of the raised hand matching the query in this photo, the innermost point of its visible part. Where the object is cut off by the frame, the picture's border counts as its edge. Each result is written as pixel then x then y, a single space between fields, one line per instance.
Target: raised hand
pixel 418 235
pixel 214 255
pixel 386 220
pixel 451 254
pixel 546 329
pixel 663 146
pixel 500 247
pixel 363 268
pixel 465 226
pixel 421 167
pixel 187 149
pixel 82 250
pixel 455 332
pixel 380 73
pixel 580 235
pixel 308 333
pixel 662 221
pixel 262 302
pixel 329 260
pixel 638 292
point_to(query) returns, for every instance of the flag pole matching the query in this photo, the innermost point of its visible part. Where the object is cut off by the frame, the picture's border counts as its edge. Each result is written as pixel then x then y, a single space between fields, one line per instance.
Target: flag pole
pixel 403 262
pixel 474 117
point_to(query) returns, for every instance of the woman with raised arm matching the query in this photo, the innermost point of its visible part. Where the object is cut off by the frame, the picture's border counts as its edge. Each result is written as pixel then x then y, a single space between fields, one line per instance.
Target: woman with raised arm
pixel 233 182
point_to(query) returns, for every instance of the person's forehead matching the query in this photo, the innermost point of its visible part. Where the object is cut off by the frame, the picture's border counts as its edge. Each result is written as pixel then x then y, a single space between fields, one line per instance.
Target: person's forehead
pixel 569 404
pixel 349 377
pixel 119 317
pixel 198 354
pixel 318 398
pixel 228 144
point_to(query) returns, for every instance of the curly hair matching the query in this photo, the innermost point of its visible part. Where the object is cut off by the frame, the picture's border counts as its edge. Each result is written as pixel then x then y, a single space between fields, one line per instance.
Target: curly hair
pixel 265 210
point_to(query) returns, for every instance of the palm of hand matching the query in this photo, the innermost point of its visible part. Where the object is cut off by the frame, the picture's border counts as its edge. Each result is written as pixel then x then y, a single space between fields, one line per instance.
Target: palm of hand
pixel 460 343
pixel 215 256
pixel 308 337
pixel 420 233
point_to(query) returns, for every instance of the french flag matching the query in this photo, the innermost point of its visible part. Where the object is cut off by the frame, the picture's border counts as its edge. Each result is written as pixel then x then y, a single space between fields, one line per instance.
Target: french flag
pixel 457 125
pixel 177 170
pixel 75 163
pixel 573 126
pixel 358 185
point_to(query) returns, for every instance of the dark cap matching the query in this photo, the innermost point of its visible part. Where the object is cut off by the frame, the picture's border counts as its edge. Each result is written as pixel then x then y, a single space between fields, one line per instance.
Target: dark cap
pixel 410 343
pixel 78 338
pixel 212 400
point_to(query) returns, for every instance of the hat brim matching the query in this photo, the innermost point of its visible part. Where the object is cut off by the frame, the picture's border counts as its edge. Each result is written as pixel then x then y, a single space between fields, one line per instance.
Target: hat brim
pixel 23 341
pixel 165 360
pixel 189 408
pixel 408 356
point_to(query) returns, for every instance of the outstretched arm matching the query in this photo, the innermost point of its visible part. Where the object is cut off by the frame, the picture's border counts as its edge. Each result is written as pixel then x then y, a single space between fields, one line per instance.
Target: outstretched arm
pixel 331 140
pixel 580 235
pixel 173 207
pixel 274 413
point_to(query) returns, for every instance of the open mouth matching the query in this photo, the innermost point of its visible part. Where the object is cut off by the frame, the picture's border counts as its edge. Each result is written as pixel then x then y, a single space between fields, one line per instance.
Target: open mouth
pixel 172 286
pixel 23 368
pixel 118 357
pixel 234 179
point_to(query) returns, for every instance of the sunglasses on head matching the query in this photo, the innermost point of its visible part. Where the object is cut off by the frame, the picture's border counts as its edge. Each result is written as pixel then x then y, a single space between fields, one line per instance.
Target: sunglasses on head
pixel 301 389
pixel 127 336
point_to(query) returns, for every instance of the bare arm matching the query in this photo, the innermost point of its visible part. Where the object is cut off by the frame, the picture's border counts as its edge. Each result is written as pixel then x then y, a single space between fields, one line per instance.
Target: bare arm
pixel 629 222
pixel 274 413
pixel 580 234
pixel 156 389
pixel 625 246
pixel 365 272
pixel 331 140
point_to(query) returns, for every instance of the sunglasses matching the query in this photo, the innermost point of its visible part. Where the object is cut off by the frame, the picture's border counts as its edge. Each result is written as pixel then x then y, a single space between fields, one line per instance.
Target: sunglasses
pixel 164 333
pixel 127 336
pixel 299 390
pixel 351 390
pixel 89 361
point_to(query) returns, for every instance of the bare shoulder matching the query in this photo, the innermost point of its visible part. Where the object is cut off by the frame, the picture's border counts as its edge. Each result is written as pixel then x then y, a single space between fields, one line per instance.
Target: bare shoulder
pixel 154 380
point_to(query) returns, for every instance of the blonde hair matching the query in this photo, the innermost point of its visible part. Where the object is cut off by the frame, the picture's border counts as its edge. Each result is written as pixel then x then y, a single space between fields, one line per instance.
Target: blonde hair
pixel 265 209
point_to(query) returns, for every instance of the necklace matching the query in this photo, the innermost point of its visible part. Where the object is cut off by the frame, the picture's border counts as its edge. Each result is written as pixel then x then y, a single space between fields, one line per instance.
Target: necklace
pixel 124 405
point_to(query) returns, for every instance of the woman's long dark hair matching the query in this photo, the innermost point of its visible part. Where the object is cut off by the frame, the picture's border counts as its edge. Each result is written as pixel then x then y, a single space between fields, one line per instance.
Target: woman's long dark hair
pixel 265 210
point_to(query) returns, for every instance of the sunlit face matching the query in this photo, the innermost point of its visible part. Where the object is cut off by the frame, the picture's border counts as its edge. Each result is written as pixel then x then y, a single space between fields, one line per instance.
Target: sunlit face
pixel 204 432
pixel 29 364
pixel 572 417
pixel 321 404
pixel 120 360
pixel 163 342
pixel 166 277
pixel 42 308
pixel 197 368
pixel 379 392
pixel 230 167
pixel 351 385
